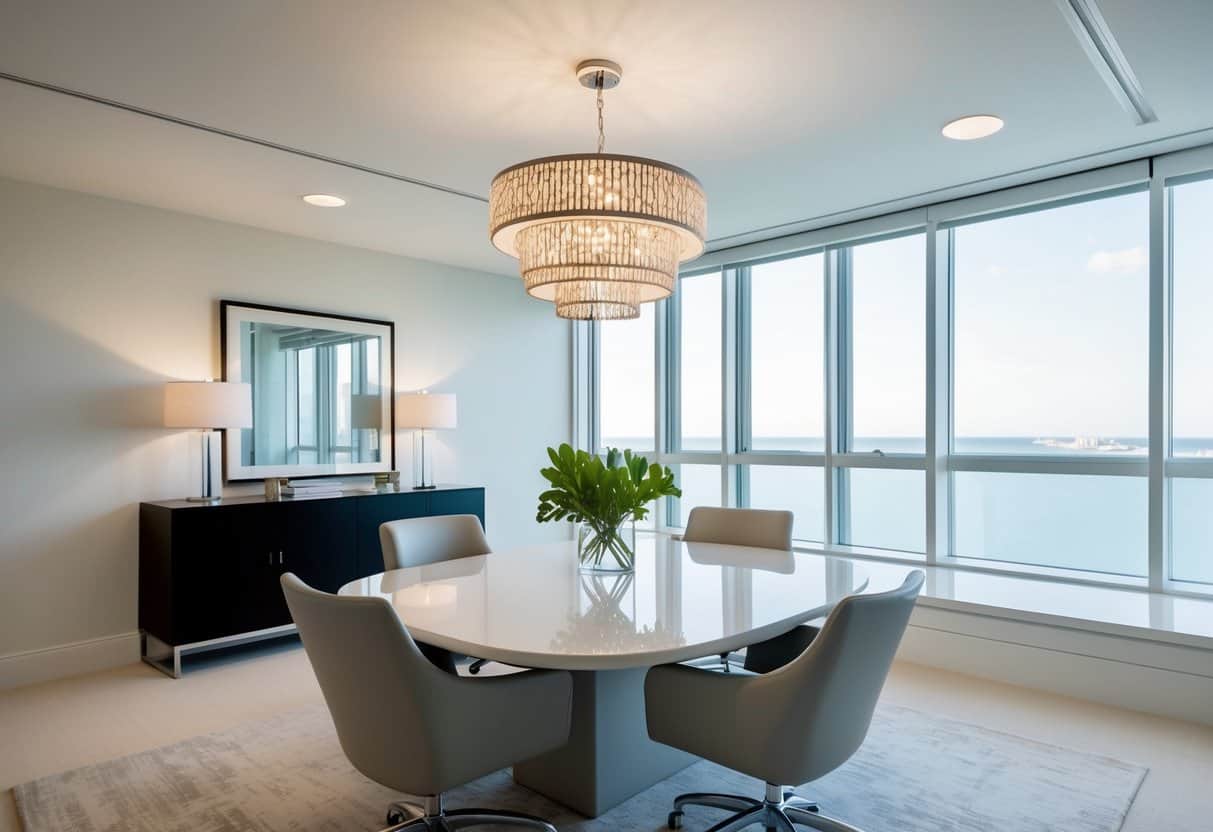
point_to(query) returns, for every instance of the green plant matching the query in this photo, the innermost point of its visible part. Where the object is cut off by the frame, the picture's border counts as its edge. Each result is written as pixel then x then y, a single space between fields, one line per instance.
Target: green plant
pixel 602 494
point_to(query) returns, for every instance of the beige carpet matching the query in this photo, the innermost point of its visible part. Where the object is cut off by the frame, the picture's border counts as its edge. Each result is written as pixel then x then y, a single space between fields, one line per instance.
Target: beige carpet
pixel 916 772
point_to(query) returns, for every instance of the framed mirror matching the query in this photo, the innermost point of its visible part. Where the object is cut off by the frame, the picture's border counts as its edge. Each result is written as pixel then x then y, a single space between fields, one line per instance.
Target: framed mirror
pixel 322 387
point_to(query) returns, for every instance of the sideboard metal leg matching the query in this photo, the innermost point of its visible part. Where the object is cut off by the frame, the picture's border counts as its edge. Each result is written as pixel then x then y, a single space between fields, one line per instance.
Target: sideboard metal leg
pixel 164 657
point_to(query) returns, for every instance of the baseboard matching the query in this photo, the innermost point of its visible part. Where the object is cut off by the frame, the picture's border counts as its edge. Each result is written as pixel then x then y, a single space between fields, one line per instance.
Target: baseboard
pixel 32 666
pixel 1112 670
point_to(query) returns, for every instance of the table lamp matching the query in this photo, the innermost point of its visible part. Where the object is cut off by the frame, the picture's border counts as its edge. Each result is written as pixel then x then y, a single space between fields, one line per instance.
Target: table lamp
pixel 423 412
pixel 207 406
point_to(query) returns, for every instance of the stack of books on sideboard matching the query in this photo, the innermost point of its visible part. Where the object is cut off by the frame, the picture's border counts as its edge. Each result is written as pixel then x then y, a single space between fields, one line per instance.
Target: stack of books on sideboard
pixel 329 487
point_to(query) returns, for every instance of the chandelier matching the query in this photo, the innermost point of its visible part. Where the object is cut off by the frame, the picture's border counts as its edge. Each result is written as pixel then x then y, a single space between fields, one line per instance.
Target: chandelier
pixel 597 234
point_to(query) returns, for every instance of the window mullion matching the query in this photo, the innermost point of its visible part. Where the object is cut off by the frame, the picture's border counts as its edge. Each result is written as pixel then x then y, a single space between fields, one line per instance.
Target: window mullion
pixel 660 396
pixel 743 371
pixel 594 338
pixel 728 384
pixel 673 387
pixel 673 368
pixel 744 362
pixel 1160 386
pixel 834 515
pixel 939 258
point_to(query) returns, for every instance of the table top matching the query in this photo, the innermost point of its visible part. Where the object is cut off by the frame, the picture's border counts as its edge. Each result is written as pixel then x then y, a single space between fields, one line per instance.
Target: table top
pixel 532 606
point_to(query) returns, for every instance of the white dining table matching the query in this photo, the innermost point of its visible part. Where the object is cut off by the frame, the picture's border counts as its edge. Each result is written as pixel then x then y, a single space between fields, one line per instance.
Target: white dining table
pixel 532 606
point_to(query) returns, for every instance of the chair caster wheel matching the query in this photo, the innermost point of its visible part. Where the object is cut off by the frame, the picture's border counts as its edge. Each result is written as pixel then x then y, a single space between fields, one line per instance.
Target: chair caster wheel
pixel 474 670
pixel 674 821
pixel 397 814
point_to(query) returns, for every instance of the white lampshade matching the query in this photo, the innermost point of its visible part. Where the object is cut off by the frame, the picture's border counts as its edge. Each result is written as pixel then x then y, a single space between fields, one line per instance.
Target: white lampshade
pixel 208 405
pixel 425 410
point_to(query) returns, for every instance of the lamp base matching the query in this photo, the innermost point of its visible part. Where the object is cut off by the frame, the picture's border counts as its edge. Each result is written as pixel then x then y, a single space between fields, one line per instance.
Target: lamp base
pixel 424 487
pixel 211 500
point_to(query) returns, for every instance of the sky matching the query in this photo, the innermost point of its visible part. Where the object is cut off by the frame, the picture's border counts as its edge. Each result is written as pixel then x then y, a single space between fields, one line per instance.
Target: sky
pixel 1051 324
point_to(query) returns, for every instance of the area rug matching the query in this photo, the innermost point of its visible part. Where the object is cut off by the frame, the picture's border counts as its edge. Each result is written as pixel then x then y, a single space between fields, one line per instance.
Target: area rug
pixel 915 773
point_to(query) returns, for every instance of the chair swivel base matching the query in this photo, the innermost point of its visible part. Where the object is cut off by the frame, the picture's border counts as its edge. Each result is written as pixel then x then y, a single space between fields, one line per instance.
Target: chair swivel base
pixel 430 816
pixel 782 809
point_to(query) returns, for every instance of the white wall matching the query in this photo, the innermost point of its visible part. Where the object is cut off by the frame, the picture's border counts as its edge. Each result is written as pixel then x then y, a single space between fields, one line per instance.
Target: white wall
pixel 101 301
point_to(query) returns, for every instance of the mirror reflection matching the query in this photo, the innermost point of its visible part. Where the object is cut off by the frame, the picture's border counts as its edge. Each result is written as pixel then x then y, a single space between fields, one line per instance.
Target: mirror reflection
pixel 318 397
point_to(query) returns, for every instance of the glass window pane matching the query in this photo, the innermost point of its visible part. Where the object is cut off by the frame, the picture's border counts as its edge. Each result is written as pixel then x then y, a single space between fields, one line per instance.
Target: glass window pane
pixel 344 360
pixel 372 365
pixel 699 357
pixel 306 386
pixel 887 509
pixel 1051 318
pixel 1094 523
pixel 888 345
pixel 1192 270
pixel 1192 530
pixel 787 409
pixel 700 486
pixel 626 367
pixel 800 490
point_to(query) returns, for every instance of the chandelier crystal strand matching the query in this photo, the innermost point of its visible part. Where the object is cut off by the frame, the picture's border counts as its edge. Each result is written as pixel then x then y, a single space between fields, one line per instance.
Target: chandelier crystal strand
pixel 597 233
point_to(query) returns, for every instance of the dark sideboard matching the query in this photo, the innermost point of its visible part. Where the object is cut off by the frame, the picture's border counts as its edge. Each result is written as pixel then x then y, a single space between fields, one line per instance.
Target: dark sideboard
pixel 208 573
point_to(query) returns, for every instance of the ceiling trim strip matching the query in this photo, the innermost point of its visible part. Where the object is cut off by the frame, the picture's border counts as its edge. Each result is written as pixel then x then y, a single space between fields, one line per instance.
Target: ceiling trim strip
pixel 1097 40
pixel 231 134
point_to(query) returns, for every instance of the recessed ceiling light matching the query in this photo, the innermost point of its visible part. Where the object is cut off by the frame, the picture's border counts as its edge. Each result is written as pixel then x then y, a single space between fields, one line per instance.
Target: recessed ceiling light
pixel 972 127
pixel 324 200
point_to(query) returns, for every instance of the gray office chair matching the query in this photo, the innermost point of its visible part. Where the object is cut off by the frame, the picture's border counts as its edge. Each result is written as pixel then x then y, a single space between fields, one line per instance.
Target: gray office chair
pixel 418 541
pixel 413 728
pixel 760 529
pixel 792 725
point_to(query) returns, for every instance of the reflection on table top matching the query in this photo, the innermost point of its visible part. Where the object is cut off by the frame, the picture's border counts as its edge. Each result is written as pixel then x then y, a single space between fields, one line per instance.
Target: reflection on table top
pixel 532 606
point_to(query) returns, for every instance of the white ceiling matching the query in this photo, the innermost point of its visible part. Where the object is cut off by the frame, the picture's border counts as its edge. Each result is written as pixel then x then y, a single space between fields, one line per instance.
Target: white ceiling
pixel 785 109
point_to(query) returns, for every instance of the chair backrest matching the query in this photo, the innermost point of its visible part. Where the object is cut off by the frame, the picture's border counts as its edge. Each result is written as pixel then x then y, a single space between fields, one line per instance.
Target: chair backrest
pixel 760 528
pixel 378 686
pixel 417 541
pixel 823 700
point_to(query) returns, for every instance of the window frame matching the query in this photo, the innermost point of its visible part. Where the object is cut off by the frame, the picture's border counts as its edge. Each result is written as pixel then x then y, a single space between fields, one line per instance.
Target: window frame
pixel 939 461
pixel 1169 171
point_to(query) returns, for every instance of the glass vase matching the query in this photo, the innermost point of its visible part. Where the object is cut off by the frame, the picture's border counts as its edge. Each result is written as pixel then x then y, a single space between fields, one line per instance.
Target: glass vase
pixel 607 548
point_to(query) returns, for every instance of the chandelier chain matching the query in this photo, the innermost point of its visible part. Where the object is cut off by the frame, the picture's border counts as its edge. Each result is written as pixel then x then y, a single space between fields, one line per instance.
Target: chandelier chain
pixel 601 131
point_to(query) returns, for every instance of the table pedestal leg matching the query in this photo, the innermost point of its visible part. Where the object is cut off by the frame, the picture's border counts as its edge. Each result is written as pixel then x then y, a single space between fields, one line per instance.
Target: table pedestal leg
pixel 609 756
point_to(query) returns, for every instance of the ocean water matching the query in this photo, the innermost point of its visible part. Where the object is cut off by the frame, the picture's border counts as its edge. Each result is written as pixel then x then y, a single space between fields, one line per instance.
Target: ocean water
pixel 1093 523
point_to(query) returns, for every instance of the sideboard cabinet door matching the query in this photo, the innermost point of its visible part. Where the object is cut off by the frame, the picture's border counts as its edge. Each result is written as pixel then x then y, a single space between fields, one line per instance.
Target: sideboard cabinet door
pixel 218 554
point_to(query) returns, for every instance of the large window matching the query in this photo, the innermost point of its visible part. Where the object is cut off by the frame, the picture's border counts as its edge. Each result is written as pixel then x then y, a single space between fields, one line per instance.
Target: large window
pixel 884 509
pixel 1051 330
pixel 699 362
pixel 787 396
pixel 1089 523
pixel 1051 334
pixel 798 489
pixel 1017 381
pixel 1192 308
pixel 888 346
pixel 1191 498
pixel 700 486
pixel 626 382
